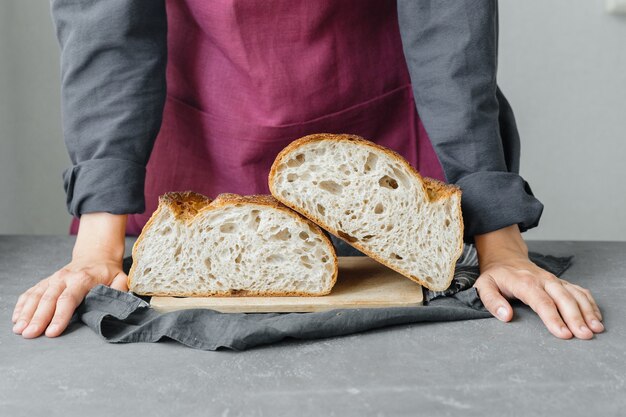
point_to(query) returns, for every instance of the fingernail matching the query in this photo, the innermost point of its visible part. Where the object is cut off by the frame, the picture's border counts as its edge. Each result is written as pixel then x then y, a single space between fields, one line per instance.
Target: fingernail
pixel 52 328
pixel 597 324
pixel 501 313
pixel 564 330
pixel 585 329
pixel 19 325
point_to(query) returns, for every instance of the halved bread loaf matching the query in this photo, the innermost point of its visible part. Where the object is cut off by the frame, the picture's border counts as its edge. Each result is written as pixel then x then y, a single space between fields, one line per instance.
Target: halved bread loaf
pixel 235 245
pixel 373 199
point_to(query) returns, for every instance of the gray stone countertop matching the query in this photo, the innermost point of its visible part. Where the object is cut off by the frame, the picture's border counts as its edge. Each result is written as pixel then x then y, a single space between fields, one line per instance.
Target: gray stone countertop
pixel 469 368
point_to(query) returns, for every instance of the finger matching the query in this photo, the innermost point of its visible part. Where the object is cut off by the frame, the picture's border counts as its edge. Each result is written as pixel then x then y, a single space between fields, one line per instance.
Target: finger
pixel 21 300
pixel 493 300
pixel 569 309
pixel 545 308
pixel 29 307
pixel 120 282
pixel 44 311
pixel 68 300
pixel 589 314
pixel 587 294
pixel 18 306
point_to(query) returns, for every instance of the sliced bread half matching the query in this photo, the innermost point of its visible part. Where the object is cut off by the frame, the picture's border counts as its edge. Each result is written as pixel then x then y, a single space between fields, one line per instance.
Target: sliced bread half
pixel 232 246
pixel 376 201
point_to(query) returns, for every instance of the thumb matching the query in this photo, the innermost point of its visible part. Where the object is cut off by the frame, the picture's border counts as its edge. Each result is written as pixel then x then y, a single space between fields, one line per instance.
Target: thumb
pixel 120 282
pixel 489 294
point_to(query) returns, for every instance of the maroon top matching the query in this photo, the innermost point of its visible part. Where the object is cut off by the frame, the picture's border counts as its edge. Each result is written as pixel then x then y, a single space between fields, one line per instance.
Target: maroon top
pixel 245 79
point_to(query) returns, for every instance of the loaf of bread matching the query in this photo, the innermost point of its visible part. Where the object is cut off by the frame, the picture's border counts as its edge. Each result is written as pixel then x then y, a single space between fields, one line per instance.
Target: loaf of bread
pixel 234 245
pixel 373 199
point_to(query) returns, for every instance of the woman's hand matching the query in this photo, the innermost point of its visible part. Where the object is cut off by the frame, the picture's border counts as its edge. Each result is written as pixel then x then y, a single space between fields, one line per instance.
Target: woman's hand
pixel 506 273
pixel 97 259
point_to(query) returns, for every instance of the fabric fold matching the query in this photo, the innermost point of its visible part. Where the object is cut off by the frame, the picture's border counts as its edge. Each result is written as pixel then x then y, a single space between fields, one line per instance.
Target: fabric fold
pixel 110 185
pixel 495 199
pixel 121 317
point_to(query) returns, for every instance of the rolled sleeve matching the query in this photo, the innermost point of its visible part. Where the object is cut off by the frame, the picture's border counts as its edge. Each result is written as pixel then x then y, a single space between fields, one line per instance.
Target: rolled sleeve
pixel 493 200
pixel 111 185
pixel 113 84
pixel 451 52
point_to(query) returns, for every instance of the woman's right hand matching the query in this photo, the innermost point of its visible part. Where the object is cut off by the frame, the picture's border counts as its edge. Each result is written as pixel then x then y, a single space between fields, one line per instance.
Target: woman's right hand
pixel 96 259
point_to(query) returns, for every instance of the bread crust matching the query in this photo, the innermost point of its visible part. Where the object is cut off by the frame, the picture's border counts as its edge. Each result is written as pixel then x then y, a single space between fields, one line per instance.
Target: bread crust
pixel 433 189
pixel 187 205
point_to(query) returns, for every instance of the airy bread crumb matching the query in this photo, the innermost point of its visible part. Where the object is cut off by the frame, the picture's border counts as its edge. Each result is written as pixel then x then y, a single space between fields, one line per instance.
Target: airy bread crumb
pixel 373 199
pixel 233 246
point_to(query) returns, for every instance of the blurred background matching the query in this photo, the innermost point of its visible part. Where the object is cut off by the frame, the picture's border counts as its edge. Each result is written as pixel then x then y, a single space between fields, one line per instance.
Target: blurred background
pixel 562 66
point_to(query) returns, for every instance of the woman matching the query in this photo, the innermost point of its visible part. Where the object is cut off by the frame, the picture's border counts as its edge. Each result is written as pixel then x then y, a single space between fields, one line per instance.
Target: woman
pixel 244 78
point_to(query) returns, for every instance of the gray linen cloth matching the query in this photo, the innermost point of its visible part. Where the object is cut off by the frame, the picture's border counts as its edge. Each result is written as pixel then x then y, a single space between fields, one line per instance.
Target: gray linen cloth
pixel 122 317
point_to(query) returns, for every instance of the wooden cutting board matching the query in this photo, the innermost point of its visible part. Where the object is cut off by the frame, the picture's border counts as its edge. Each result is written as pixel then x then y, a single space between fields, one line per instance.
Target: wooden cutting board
pixel 361 283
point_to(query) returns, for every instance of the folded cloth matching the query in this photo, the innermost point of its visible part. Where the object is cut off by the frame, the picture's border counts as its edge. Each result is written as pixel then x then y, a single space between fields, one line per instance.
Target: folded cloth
pixel 121 317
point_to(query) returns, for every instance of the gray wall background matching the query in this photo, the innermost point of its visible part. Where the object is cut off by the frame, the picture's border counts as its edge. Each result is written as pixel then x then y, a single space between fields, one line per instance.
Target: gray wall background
pixel 562 66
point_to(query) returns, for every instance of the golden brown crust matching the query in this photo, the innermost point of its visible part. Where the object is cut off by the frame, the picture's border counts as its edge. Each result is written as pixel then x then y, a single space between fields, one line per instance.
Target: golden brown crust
pixel 433 189
pixel 240 293
pixel 184 204
pixel 437 190
pixel 187 205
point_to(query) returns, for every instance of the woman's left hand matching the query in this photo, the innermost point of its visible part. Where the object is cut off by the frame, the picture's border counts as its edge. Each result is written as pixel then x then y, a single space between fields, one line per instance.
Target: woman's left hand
pixel 507 273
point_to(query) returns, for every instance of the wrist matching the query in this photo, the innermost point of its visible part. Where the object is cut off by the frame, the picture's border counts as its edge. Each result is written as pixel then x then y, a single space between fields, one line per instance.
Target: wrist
pixel 505 243
pixel 101 234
